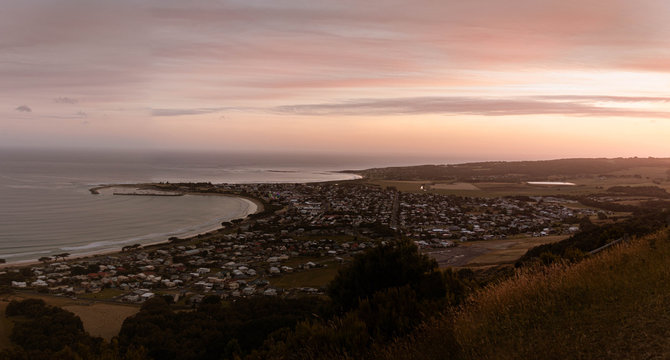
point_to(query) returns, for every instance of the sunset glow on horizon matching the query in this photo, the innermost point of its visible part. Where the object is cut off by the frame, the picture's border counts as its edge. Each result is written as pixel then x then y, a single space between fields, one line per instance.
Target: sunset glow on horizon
pixel 524 79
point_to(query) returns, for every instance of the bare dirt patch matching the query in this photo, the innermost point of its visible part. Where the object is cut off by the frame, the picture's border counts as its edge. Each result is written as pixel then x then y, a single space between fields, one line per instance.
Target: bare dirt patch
pixel 507 251
pixel 490 251
pixel 101 319
pixel 456 256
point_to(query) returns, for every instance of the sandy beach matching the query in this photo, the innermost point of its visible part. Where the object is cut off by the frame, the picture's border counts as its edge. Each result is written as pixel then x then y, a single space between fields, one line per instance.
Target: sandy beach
pixel 254 206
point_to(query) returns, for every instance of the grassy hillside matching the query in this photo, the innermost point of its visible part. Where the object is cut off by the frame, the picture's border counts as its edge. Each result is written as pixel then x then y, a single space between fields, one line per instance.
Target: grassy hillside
pixel 514 171
pixel 615 305
pixel 631 178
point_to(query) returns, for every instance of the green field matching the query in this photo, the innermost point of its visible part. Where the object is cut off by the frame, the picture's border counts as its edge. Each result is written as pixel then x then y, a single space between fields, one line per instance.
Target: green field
pixel 497 189
pixel 623 173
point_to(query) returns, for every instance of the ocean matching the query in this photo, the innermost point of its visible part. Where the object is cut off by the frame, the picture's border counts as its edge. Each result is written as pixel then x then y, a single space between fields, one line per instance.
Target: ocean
pixel 46 207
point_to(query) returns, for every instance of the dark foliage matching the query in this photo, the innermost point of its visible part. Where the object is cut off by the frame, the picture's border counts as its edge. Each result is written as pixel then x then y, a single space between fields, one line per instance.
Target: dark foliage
pixel 386 267
pixel 386 293
pixel 215 330
pixel 391 312
pixel 48 332
pixel 593 237
pixel 8 277
pixel 653 191
pixel 604 205
pixel 389 291
pixel 378 229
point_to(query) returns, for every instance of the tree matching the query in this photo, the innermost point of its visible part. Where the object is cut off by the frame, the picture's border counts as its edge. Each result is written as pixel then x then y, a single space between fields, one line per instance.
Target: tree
pixel 45 259
pixel 585 224
pixel 214 329
pixel 62 255
pixel 48 332
pixel 383 267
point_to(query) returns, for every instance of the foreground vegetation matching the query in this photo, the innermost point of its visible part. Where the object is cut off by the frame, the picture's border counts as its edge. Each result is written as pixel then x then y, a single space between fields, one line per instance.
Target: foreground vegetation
pixel 610 306
pixel 393 303
pixel 385 293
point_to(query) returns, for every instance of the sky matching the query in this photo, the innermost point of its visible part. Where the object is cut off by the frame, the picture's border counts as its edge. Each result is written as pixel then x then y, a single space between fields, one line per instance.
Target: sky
pixel 479 79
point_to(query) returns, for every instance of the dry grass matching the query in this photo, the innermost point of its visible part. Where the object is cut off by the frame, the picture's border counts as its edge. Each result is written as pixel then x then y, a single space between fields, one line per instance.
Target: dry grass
pixel 584 185
pixel 311 278
pixel 509 250
pixel 611 306
pixel 492 189
pixel 645 172
pixel 454 186
pixel 488 252
pixel 486 189
pixel 99 319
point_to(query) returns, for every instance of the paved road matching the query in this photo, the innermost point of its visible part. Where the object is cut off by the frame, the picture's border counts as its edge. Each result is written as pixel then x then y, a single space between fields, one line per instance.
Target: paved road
pixel 395 210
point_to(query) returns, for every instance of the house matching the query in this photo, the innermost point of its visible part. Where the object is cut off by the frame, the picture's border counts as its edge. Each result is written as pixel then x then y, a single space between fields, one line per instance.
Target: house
pixel 19 284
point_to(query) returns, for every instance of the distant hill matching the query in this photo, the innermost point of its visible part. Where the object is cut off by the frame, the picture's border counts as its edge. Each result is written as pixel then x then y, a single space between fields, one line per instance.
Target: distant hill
pixel 513 171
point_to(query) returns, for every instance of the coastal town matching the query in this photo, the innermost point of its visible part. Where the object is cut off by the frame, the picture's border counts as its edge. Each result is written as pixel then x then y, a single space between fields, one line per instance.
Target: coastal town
pixel 300 229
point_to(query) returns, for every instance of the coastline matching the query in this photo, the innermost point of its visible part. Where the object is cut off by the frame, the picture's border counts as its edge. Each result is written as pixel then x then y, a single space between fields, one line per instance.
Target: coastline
pixel 144 189
pixel 255 206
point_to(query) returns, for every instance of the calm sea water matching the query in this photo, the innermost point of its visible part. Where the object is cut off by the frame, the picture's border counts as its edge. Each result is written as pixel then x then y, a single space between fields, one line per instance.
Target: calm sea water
pixel 46 208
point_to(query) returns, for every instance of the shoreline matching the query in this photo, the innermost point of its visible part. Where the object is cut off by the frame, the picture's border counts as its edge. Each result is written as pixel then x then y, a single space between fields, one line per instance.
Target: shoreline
pixel 255 206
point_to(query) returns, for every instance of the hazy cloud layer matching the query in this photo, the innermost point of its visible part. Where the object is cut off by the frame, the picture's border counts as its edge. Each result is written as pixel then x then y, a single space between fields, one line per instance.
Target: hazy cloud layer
pixel 65 100
pixel 540 105
pixel 23 108
pixel 124 62
pixel 129 50
pixel 182 112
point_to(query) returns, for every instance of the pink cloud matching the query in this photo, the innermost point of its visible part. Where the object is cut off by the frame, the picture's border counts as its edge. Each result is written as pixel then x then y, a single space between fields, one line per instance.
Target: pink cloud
pixel 659 63
pixel 185 60
pixel 531 105
pixel 319 44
